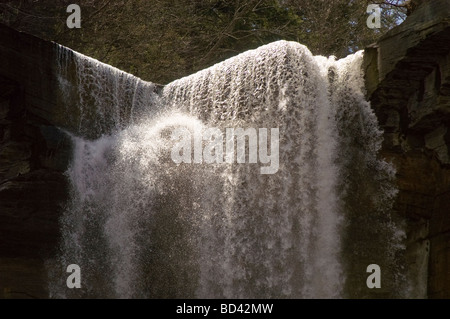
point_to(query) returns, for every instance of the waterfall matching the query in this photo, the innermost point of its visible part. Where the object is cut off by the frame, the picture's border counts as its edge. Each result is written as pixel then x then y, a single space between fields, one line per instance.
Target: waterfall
pixel 140 225
pixel 98 98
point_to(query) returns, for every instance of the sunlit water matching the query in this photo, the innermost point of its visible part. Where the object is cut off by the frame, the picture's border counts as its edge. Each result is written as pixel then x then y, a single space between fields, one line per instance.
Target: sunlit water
pixel 141 226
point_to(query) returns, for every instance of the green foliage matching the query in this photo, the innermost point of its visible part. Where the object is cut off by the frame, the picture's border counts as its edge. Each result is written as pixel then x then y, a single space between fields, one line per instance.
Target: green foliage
pixel 161 40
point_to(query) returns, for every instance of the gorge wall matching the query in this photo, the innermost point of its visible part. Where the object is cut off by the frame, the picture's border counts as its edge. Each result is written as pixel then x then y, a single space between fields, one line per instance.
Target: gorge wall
pixel 33 157
pixel 408 84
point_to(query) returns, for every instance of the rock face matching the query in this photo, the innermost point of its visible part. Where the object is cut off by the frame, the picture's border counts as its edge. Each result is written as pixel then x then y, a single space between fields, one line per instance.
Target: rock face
pixel 33 156
pixel 408 84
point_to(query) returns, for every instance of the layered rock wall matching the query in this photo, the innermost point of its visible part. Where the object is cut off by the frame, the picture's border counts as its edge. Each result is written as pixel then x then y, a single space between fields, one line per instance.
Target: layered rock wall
pixel 33 157
pixel 408 84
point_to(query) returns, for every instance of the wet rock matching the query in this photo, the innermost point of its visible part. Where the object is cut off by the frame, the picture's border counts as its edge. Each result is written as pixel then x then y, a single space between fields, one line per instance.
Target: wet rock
pixel 407 76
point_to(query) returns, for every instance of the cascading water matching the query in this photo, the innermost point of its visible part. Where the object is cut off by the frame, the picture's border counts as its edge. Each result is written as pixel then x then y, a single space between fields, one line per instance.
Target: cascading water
pixel 140 225
pixel 99 98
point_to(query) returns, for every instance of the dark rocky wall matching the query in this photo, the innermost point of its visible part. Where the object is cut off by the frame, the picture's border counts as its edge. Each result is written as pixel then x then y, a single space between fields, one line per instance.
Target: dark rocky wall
pixel 408 83
pixel 33 156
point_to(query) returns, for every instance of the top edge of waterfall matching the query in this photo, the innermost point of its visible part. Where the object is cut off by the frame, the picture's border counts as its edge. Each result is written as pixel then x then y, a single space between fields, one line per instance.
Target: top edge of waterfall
pixel 278 46
pixel 288 47
pixel 62 48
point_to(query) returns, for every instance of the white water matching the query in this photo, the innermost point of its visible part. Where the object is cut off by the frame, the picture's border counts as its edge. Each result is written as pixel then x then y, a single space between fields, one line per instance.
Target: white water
pixel 99 98
pixel 141 226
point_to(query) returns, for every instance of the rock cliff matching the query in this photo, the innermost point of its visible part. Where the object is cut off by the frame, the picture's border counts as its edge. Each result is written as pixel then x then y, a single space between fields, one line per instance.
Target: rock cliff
pixel 408 84
pixel 33 157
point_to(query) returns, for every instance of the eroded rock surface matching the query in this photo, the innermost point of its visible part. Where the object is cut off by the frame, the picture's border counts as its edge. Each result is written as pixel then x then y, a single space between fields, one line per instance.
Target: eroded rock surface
pixel 408 84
